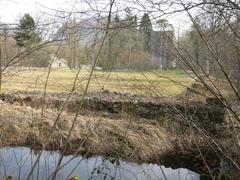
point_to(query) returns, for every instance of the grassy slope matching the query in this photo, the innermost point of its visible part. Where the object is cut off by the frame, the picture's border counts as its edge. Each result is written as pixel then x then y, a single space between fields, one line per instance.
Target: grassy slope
pixel 155 83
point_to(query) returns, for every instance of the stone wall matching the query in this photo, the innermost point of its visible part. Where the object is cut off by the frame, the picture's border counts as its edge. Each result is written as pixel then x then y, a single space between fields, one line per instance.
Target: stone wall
pixel 205 113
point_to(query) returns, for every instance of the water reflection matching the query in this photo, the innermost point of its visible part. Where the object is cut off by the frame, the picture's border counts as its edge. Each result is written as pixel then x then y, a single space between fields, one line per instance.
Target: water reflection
pixel 18 162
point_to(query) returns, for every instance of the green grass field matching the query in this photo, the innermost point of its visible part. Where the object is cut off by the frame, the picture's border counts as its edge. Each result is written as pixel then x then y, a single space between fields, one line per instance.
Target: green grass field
pixel 155 83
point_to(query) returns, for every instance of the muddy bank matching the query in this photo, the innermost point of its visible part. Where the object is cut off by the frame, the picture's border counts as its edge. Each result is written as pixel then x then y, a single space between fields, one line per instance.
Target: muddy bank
pixel 205 112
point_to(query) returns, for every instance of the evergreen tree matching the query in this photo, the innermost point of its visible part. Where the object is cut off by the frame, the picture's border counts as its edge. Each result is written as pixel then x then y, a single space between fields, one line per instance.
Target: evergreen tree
pixel 146 29
pixel 164 25
pixel 129 15
pixel 26 34
pixel 196 41
pixel 116 18
pixel 135 22
pixel 129 19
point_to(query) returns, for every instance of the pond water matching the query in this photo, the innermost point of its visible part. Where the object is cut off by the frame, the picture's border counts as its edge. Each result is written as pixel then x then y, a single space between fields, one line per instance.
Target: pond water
pixel 17 162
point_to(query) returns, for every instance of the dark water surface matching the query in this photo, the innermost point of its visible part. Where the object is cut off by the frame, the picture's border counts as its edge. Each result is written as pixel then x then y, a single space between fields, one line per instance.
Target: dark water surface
pixel 18 162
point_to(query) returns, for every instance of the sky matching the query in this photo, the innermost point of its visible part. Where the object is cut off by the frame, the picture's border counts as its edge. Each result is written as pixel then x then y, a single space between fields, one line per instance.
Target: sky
pixel 12 10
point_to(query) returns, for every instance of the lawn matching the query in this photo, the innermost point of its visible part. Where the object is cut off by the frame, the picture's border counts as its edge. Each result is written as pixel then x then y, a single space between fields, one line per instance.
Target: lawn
pixel 154 83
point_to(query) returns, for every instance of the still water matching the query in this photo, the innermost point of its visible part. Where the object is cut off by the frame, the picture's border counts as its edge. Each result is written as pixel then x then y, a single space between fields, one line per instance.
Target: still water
pixel 17 162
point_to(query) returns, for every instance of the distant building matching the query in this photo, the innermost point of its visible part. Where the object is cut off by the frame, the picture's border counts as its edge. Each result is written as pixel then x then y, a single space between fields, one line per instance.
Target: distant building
pixel 160 55
pixel 57 63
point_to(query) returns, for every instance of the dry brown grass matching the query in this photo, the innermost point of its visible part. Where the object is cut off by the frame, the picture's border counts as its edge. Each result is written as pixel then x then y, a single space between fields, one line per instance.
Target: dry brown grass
pixel 126 137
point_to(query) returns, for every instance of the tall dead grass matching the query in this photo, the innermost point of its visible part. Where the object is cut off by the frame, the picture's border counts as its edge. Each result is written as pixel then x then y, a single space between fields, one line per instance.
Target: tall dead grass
pixel 123 136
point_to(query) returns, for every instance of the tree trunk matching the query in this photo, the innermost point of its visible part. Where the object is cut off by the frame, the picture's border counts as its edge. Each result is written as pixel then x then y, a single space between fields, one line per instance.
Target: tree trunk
pixel 238 78
pixel 0 69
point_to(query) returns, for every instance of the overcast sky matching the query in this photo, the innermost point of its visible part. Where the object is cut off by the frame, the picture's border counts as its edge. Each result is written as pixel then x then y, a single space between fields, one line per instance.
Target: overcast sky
pixel 12 10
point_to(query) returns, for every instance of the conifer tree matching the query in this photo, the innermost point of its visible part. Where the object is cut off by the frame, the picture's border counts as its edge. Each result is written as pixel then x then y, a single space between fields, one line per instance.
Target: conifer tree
pixel 146 29
pixel 26 34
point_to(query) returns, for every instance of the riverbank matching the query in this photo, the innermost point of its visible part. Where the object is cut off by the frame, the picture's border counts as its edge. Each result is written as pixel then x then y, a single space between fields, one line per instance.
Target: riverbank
pixel 189 131
pixel 161 140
